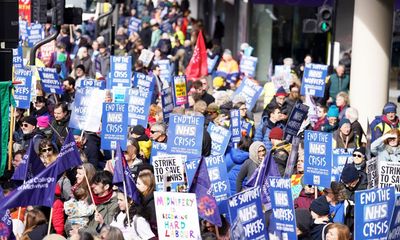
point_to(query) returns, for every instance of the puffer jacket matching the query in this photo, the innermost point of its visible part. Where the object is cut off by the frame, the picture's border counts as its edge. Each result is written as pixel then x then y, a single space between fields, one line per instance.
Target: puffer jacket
pixel 234 160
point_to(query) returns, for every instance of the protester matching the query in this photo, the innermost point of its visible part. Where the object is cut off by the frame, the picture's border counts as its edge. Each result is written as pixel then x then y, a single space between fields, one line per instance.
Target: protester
pixel 359 159
pixel 271 120
pixel 344 136
pixel 146 185
pixel 336 231
pixel 111 233
pixel 319 211
pixel 387 147
pixel 353 180
pixel 332 124
pixel 35 225
pixel 342 102
pixel 387 121
pixel 60 123
pixel 339 81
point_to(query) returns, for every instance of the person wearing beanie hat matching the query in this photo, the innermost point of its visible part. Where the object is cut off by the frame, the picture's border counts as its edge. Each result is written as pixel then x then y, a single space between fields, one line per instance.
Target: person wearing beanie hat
pixel 320 213
pixel 353 180
pixel 387 121
pixel 218 83
pixel 280 149
pixel 344 137
pixel 31 133
pixel 257 153
pixel 276 134
pixel 138 131
pixel 43 122
pixel 303 223
pixel 359 159
pixel 39 107
pixel 280 96
pixel 332 124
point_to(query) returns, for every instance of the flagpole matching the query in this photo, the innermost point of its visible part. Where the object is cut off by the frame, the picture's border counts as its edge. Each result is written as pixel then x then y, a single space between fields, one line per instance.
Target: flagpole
pixel 90 190
pixel 19 213
pixel 316 192
pixel 51 216
pixel 12 127
pixel 259 171
pixel 126 201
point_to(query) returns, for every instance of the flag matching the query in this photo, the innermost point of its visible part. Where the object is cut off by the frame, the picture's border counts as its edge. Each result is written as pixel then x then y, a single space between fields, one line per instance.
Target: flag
pixel 5 222
pixel 206 203
pixel 267 169
pixel 122 173
pixel 5 100
pixel 197 66
pixel 30 166
pixel 69 156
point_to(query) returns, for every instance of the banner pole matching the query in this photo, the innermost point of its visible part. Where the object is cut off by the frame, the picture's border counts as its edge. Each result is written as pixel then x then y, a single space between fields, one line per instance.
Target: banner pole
pixel 316 192
pixel 90 190
pixel 51 216
pixel 126 201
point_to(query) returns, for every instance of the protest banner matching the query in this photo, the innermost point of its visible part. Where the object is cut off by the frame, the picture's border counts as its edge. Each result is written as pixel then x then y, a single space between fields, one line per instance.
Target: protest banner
pixel 372 172
pixel 35 32
pixel 247 218
pixel 250 91
pixel 50 81
pixel 282 77
pixel 92 83
pixel 177 216
pixel 167 101
pixel 169 172
pixel 143 82
pixel 157 149
pixel 114 125
pixel 235 126
pixel 165 71
pixel 46 51
pixel 340 157
pixel 180 90
pixel 134 25
pixel 314 80
pixel 389 174
pixel 317 158
pixel 219 139
pixel 297 116
pixel 120 71
pixel 84 115
pixel 248 65
pixel 138 105
pixel 23 29
pixel 24 10
pixel 283 207
pixel 18 59
pixel 185 135
pixel 22 92
pixel 211 62
pixel 372 214
pixel 6 224
pixel 119 94
pixel 394 229
pixel 280 81
pixel 313 110
pixel 146 56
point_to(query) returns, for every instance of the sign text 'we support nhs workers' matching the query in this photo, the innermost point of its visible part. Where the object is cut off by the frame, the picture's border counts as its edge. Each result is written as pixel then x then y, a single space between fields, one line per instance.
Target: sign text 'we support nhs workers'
pixel 314 80
pixel 317 158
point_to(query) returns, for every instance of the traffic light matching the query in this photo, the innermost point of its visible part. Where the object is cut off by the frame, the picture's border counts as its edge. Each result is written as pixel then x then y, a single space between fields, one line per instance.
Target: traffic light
pixel 39 11
pixel 54 12
pixel 324 18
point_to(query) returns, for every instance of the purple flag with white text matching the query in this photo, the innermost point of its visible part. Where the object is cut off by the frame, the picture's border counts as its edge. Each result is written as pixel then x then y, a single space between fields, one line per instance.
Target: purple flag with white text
pixel 6 225
pixel 206 203
pixel 30 166
pixel 69 155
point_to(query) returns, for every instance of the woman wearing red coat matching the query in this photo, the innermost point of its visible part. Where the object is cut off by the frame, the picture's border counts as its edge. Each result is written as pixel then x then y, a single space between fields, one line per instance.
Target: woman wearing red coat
pixel 58 212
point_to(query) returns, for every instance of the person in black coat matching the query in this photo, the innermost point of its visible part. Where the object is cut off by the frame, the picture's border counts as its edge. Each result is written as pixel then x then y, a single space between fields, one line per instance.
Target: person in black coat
pixel 146 185
pixel 201 94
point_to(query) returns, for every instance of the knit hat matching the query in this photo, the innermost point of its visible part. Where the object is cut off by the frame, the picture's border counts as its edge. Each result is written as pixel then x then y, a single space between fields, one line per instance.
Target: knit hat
pixel 280 92
pixel 218 82
pixel 320 206
pixel 31 120
pixel 253 151
pixel 43 121
pixel 276 133
pixel 333 111
pixel 349 174
pixel 360 150
pixel 138 130
pixel 390 108
pixel 344 121
pixel 303 220
pixel 81 67
pixel 40 99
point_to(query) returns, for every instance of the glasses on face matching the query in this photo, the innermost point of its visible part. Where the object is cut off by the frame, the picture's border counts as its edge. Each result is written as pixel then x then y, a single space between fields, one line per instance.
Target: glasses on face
pixel 358 155
pixel 262 150
pixel 46 150
pixel 25 125
pixel 153 131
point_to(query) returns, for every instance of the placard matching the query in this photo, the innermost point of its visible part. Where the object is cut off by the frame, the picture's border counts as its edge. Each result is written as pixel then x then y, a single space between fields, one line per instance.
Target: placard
pixel 180 90
pixel 340 157
pixel 235 126
pixel 120 71
pixel 169 172
pixel 250 91
pixel 314 80
pixel 295 121
pixel 248 65
pixel 389 174
pixel 50 80
pixel 220 138
pixel 138 105
pixel 114 126
pixel 22 92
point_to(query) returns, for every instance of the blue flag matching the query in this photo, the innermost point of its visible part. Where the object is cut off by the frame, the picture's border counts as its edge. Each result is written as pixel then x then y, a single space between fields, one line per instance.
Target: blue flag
pixel 206 203
pixel 122 173
pixel 267 169
pixel 69 156
pixel 30 166
pixel 6 225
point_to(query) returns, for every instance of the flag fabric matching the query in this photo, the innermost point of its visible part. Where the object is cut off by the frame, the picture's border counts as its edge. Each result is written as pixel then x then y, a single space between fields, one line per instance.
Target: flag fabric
pixel 6 225
pixel 69 156
pixel 30 166
pixel 5 101
pixel 122 173
pixel 206 203
pixel 197 66
pixel 268 168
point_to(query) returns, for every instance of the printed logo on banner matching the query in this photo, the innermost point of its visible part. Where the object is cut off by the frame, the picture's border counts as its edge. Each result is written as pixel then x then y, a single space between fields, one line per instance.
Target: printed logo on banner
pixel 84 116
pixel 282 207
pixel 114 125
pixel 394 232
pixel 389 174
pixel 120 71
pixel 220 138
pixel 296 118
pixel 171 206
pixel 18 60
pixel 180 90
pixel 373 211
pixel 138 105
pixel 169 172
pixel 92 83
pixel 22 92
pixel 317 158
pixel 340 157
pixel 167 102
pixel 247 218
pixel 314 80
pixel 250 91
pixel 235 125
pixel 248 65
pixel 49 79
pixel 185 135
pixel 143 82
pixel 372 172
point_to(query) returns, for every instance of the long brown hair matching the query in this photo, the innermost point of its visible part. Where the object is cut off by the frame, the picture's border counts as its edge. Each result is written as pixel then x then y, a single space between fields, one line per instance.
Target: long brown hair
pixel 393 131
pixel 148 180
pixel 342 230
pixel 33 218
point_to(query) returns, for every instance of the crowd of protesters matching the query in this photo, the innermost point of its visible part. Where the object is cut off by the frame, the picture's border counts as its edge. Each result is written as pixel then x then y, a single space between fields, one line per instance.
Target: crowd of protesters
pixel 87 206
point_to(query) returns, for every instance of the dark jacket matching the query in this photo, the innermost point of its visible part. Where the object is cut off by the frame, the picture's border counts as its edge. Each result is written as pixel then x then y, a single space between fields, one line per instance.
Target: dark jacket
pixel 245 173
pixel 61 128
pixel 36 137
pixel 316 231
pixel 206 97
pixel 107 210
pixel 361 185
pixel 145 36
pixel 39 232
pixel 150 208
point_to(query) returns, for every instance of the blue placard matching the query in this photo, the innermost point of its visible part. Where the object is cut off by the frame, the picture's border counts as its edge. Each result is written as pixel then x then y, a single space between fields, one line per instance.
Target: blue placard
pixel 49 79
pixel 18 60
pixel 165 70
pixel 157 148
pixel 167 101
pixel 22 92
pixel 235 126
pixel 314 80
pixel 373 212
pixel 297 116
pixel 34 34
pixel 138 105
pixel 23 30
pixel 143 82
pixel 92 83
pixel 120 71
pixel 282 207
pixel 394 230
pixel 220 138
pixel 114 125
pixel 247 218
pixel 185 135
pixel 134 25
pixel 248 65
pixel 211 62
pixel 340 157
pixel 317 158
pixel 250 91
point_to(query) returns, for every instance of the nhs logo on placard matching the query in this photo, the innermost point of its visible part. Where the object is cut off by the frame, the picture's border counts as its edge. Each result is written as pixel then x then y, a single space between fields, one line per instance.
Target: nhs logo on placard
pixel 281 199
pixel 375 212
pixel 316 179
pixel 113 144
pixel 248 213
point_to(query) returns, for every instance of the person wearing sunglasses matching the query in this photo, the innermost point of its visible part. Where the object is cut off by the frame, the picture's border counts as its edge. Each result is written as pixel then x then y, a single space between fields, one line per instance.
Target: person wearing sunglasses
pixel 47 152
pixel 359 159
pixel 31 133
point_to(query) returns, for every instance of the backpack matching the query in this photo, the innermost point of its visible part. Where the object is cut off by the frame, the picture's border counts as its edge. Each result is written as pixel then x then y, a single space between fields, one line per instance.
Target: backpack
pixel 374 133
